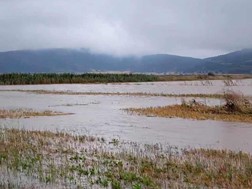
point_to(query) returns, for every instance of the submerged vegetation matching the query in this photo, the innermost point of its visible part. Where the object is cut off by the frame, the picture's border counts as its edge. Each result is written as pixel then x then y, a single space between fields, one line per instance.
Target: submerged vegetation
pixel 26 113
pixel 116 93
pixel 42 159
pixel 38 159
pixel 54 78
pixel 235 108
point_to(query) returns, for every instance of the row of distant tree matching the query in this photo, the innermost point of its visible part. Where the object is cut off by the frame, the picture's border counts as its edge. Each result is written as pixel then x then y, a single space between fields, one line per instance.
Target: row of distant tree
pixel 53 78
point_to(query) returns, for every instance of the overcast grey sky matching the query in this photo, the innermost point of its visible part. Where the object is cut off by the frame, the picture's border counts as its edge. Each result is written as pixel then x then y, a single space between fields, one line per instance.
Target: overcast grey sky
pixel 198 28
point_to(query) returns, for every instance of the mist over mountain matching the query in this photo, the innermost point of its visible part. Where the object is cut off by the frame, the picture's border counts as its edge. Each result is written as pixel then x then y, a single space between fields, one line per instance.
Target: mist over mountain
pixel 235 62
pixel 81 60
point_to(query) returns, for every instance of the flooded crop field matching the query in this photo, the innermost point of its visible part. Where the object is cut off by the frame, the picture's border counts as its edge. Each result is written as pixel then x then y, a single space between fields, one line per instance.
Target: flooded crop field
pixel 86 136
pixel 105 116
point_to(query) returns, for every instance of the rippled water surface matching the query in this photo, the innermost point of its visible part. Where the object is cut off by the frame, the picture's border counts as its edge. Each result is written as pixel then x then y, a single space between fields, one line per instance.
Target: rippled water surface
pixel 103 115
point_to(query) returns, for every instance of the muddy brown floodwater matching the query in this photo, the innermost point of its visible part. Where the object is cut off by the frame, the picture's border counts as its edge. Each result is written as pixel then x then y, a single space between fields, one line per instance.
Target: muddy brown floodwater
pixel 103 115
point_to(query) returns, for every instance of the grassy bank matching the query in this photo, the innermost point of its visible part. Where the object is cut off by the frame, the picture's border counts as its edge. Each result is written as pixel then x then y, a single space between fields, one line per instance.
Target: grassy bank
pixel 26 113
pixel 58 160
pixel 53 78
pixel 197 112
pixel 116 93
pixel 236 108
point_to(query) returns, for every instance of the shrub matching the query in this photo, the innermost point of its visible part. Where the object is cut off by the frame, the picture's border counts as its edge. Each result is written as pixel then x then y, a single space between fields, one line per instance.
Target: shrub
pixel 211 74
pixel 235 102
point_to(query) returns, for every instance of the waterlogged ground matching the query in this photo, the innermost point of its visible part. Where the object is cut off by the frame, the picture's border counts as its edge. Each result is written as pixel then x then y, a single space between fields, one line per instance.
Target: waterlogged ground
pixel 103 115
pixel 36 159
pixel 181 87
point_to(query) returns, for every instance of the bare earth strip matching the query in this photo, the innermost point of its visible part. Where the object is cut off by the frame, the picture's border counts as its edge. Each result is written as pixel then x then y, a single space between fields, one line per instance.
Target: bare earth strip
pixel 197 112
pixel 26 113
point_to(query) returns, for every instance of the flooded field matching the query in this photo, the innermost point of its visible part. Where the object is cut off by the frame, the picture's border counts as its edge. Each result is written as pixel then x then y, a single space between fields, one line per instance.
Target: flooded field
pixel 181 87
pixel 104 115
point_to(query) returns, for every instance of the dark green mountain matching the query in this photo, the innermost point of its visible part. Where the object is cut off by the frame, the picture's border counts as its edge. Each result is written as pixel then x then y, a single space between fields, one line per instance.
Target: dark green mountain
pixel 55 60
pixel 161 63
pixel 235 62
pixel 70 60
pixel 81 60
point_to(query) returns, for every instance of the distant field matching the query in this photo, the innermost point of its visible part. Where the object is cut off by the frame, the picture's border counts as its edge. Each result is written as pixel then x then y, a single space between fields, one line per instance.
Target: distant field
pixel 203 77
pixel 65 78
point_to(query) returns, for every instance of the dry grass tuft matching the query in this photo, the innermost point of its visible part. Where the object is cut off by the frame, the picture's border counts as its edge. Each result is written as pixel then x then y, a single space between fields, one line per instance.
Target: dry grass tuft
pixel 235 102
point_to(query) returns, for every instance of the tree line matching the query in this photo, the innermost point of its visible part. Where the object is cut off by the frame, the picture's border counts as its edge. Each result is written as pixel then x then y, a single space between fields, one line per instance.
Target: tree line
pixel 54 78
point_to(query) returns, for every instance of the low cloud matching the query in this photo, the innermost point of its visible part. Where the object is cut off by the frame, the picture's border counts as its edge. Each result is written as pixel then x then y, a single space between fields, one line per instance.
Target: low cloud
pixel 197 28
